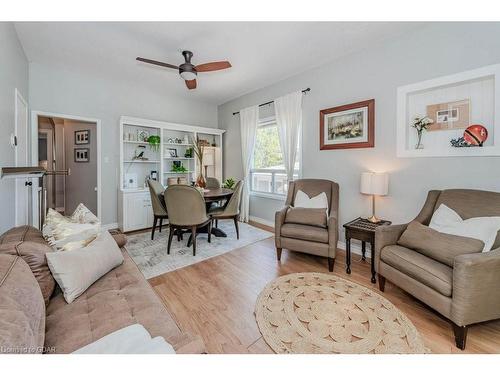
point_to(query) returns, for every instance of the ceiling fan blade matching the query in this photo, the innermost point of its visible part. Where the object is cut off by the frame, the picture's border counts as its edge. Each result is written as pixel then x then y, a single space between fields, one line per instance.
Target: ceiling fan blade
pixel 211 66
pixel 154 62
pixel 191 84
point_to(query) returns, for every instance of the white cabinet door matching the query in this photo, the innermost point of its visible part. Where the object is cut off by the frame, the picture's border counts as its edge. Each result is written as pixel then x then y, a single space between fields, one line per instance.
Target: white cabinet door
pixel 137 211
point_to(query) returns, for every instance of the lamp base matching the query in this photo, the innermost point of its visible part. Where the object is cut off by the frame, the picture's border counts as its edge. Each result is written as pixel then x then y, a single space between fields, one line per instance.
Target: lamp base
pixel 374 219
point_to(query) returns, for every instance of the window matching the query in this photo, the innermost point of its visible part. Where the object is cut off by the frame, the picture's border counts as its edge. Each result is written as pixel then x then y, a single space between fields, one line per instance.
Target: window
pixel 268 175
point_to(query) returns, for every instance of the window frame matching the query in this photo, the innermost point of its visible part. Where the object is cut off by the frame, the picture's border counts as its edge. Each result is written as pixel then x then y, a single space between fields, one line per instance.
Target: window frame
pixel 274 195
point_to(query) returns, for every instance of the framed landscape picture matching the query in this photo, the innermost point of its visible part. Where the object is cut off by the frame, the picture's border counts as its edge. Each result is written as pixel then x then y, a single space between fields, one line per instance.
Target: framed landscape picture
pixel 348 126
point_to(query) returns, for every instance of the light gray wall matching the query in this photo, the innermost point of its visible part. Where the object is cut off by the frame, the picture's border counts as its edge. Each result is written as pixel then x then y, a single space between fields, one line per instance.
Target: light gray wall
pixel 59 90
pixel 13 74
pixel 433 51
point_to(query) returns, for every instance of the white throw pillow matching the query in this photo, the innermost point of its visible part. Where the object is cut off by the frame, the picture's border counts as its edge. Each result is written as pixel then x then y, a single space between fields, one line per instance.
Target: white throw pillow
pixel 69 233
pixel 446 220
pixel 134 339
pixel 83 215
pixel 78 269
pixel 303 200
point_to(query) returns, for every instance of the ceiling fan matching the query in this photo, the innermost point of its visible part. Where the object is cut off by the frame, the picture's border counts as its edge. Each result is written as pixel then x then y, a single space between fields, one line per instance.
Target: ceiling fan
pixel 187 70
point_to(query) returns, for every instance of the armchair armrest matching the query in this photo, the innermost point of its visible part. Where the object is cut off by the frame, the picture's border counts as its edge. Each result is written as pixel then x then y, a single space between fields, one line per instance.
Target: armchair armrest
pixel 279 220
pixel 476 279
pixel 333 236
pixel 386 235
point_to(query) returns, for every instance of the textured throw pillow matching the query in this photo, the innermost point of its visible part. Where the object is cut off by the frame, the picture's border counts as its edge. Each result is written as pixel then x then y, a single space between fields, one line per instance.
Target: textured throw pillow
pixel 78 269
pixel 306 216
pixel 438 246
pixel 446 220
pixel 303 200
pixel 83 215
pixel 69 233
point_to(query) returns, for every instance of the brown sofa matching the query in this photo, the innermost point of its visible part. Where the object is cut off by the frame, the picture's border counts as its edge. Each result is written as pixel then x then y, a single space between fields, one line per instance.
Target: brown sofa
pixel 465 290
pixel 318 240
pixel 118 299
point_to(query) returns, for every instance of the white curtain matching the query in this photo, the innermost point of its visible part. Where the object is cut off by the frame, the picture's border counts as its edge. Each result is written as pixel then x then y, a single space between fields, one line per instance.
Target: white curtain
pixel 249 118
pixel 288 110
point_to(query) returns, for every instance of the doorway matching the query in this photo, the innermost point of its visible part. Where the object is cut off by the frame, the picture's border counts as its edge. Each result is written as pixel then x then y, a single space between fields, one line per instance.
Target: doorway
pixel 69 148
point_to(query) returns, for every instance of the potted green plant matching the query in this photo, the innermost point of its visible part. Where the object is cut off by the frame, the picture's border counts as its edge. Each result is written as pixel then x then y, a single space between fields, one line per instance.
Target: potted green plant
pixel 154 142
pixel 229 183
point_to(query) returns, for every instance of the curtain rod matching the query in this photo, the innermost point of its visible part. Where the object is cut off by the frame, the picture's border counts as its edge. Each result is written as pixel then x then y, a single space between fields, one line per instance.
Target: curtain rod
pixel 272 101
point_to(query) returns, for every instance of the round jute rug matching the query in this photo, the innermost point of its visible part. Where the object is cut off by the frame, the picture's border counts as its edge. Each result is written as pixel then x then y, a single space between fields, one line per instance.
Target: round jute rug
pixel 322 313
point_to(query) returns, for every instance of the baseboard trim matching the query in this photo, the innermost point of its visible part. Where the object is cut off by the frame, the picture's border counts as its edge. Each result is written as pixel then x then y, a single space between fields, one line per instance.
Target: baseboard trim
pixel 261 221
pixel 355 248
pixel 110 226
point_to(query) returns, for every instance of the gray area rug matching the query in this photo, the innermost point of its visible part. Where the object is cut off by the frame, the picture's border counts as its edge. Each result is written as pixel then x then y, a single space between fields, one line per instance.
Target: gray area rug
pixel 152 259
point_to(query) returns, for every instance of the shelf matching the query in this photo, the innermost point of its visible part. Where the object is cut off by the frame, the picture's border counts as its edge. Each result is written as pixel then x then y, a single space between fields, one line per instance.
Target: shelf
pixel 177 144
pixel 179 158
pixel 178 172
pixel 137 142
pixel 141 161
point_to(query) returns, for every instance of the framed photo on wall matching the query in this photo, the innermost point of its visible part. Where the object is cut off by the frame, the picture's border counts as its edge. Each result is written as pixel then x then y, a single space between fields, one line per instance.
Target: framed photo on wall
pixel 347 126
pixel 82 137
pixel 82 155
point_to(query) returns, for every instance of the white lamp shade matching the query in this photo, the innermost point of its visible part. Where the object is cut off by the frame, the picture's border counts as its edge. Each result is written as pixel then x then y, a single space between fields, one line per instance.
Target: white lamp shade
pixel 374 183
pixel 208 159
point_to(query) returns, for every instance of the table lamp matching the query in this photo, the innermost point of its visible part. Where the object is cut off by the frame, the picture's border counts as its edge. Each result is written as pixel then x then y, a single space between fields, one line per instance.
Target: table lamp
pixel 374 184
pixel 208 161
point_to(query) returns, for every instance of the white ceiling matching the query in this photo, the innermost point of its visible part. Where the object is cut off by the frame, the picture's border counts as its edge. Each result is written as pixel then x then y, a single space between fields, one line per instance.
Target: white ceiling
pixel 261 53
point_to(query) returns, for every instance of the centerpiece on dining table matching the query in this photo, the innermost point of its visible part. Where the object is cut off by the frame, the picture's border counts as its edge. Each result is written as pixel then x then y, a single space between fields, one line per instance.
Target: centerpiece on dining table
pixel 199 149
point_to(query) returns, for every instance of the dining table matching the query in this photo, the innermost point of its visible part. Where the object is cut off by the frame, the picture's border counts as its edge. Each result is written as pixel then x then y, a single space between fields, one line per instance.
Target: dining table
pixel 212 196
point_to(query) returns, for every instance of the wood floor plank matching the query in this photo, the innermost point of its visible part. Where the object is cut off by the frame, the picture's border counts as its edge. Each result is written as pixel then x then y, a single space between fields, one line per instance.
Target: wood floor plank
pixel 216 299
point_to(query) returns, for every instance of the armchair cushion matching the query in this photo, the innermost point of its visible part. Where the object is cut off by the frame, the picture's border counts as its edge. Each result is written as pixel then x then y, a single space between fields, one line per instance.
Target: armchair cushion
pixel 436 245
pixel 306 216
pixel 429 272
pixel 304 232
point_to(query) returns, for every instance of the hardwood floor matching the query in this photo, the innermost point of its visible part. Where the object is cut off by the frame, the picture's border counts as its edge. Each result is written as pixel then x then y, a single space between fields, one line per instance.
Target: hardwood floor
pixel 215 299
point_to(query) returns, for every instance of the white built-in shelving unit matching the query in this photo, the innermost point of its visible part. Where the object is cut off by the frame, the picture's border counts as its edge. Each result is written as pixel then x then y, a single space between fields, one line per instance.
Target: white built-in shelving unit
pixel 134 205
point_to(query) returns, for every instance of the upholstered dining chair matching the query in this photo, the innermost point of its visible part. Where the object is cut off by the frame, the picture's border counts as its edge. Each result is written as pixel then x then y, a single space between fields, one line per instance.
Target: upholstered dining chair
pixel 159 210
pixel 309 230
pixel 441 270
pixel 231 210
pixel 186 210
pixel 212 183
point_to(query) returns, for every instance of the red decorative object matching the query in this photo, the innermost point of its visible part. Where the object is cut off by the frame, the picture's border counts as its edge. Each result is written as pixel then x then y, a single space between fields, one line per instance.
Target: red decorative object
pixel 476 135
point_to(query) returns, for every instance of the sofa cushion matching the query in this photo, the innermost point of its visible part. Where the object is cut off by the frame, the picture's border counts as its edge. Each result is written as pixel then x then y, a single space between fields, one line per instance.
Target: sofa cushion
pixel 118 299
pixel 430 272
pixel 98 258
pixel 304 232
pixel 22 309
pixel 28 243
pixel 436 245
pixel 306 216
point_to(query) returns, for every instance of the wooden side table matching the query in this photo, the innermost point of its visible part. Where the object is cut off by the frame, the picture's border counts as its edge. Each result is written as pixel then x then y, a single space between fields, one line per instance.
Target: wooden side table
pixel 363 230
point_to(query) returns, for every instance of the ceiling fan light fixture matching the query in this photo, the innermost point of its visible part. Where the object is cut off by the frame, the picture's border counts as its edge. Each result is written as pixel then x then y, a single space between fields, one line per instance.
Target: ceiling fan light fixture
pixel 188 75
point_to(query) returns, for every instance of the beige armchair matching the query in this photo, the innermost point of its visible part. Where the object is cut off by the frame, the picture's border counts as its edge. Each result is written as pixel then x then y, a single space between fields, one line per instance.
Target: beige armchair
pixel 467 292
pixel 316 240
pixel 187 210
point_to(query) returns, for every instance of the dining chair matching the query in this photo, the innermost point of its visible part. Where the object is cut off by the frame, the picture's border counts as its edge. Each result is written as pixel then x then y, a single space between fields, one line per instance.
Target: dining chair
pixel 159 209
pixel 212 183
pixel 231 210
pixel 186 209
